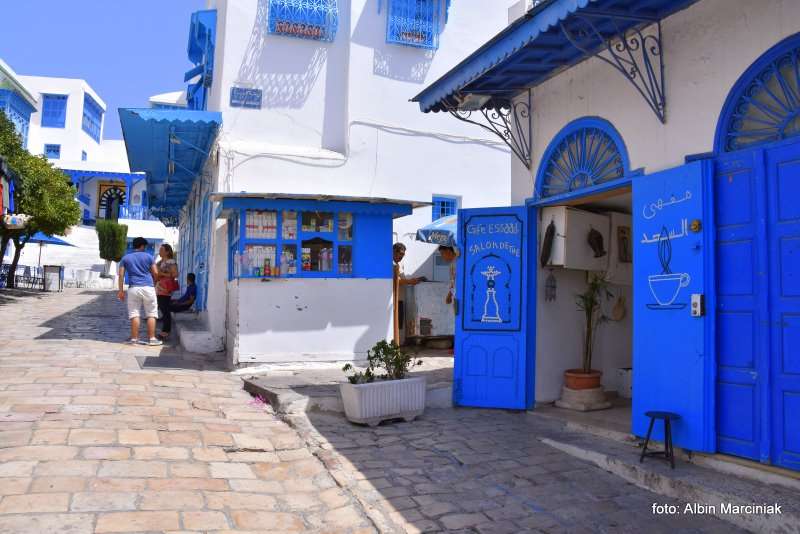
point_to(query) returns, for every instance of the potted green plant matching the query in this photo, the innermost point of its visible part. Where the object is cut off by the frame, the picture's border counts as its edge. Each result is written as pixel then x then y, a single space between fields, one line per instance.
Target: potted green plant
pixel 382 391
pixel 589 302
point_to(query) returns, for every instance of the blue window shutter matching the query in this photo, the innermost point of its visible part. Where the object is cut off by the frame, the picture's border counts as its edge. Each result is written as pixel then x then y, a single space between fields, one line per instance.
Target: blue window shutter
pixel 52 151
pixel 54 111
pixel 84 157
pixel 92 117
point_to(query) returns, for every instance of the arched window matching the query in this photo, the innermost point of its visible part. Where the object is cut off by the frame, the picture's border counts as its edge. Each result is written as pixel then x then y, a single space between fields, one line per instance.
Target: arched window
pixel 764 104
pixel 587 152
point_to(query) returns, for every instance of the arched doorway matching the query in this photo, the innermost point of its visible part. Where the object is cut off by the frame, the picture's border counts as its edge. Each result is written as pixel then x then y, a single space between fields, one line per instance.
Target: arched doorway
pixel 112 198
pixel 757 247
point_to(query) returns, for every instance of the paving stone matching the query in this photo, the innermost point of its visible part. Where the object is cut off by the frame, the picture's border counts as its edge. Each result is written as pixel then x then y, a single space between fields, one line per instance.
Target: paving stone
pixel 50 436
pixel 34 503
pixel 117 484
pixel 16 469
pixel 171 500
pixel 58 484
pixel 103 502
pixel 278 521
pixel 133 469
pixel 138 437
pixel 137 522
pixel 239 501
pixel 204 521
pixel 160 453
pixel 47 523
pixel 230 470
pixel 106 453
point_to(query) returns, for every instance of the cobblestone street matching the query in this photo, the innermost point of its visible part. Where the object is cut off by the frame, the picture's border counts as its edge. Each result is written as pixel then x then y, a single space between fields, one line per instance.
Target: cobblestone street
pixel 97 436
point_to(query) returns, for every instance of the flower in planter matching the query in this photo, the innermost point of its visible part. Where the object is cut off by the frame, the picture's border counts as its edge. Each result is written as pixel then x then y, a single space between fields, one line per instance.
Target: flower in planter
pixel 384 356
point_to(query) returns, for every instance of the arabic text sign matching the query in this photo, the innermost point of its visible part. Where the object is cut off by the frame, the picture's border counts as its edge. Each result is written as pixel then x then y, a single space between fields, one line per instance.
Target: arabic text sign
pixel 243 97
pixel 493 272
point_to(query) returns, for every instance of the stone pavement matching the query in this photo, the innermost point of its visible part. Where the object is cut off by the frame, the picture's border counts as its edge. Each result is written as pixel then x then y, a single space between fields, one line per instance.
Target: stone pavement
pixel 97 436
pixel 91 441
pixel 483 471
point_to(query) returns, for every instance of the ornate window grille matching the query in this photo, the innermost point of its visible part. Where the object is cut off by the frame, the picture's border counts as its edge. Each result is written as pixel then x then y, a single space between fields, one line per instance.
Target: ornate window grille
pixel 415 22
pixel 584 154
pixel 306 19
pixel 52 151
pixel 92 117
pixel 766 107
pixel 54 111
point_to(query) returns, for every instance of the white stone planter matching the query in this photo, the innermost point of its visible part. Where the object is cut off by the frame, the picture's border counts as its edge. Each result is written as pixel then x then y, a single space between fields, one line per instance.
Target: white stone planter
pixel 385 399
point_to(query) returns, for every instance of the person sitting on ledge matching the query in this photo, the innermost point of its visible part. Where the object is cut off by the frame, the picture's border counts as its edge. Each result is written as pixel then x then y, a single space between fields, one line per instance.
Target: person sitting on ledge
pixel 186 300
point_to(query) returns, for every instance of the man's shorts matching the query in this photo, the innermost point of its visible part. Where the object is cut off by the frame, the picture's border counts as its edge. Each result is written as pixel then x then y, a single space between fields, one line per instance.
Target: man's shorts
pixel 142 297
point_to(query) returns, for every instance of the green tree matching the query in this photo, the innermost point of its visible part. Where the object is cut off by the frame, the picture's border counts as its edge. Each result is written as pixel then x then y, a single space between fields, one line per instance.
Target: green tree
pixel 113 240
pixel 45 194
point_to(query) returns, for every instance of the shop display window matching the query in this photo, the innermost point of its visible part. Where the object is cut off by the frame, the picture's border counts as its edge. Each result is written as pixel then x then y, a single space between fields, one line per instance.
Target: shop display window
pixel 291 243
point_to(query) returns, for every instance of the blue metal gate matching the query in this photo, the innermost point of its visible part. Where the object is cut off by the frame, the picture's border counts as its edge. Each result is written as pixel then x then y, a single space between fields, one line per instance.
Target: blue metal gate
pixel 491 364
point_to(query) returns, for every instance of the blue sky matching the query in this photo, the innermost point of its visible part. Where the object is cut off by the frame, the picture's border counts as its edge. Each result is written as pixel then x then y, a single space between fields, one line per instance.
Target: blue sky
pixel 127 50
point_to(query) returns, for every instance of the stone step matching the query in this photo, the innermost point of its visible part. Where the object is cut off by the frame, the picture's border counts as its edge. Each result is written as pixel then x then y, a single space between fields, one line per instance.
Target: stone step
pixel 688 482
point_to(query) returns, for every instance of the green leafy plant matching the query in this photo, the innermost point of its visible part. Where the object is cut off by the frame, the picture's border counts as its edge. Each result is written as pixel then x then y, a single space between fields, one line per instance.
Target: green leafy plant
pixel 43 192
pixel 113 238
pixel 589 302
pixel 386 357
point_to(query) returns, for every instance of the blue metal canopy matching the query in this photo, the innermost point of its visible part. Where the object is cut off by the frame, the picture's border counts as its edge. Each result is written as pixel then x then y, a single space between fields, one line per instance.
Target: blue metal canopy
pixel 171 146
pixel 552 36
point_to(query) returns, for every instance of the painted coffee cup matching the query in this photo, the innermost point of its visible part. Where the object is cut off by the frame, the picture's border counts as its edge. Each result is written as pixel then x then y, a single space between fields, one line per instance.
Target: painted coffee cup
pixel 665 287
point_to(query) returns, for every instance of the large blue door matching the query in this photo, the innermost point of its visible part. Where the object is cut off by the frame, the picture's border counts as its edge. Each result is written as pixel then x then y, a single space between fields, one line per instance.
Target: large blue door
pixel 742 304
pixel 783 218
pixel 673 360
pixel 490 341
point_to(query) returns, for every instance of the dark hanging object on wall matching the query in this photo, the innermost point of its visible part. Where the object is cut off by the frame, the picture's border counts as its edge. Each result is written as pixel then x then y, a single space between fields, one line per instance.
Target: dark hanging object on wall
pixel 547 243
pixel 595 241
pixel 550 286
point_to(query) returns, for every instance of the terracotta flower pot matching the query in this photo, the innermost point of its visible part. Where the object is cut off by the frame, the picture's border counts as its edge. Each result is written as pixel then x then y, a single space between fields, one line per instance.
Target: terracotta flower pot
pixel 577 379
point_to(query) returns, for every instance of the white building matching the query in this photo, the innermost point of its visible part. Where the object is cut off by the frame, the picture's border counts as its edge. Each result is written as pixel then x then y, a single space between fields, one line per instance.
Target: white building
pixel 682 116
pixel 314 103
pixel 65 124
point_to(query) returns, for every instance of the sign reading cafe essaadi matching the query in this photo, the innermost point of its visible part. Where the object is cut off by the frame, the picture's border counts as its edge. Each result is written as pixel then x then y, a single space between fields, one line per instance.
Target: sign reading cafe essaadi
pixel 496 232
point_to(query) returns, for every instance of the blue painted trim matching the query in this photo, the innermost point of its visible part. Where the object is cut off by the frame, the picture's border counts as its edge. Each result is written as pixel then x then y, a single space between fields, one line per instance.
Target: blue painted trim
pixel 305 19
pixel 511 61
pixel 54 110
pixel 532 305
pixel 625 181
pixel 438 200
pixel 415 23
pixel 710 318
pixel 92 121
pixel 52 151
pixel 396 210
pixel 575 126
pixel 736 92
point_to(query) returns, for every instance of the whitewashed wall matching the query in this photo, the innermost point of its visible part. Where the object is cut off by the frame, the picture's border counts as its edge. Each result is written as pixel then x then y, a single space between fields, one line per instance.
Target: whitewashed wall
pixel 336 119
pixel 707 48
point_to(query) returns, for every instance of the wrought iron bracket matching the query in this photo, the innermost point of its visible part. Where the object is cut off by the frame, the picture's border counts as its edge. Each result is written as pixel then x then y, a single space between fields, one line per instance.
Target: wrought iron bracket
pixel 634 53
pixel 512 122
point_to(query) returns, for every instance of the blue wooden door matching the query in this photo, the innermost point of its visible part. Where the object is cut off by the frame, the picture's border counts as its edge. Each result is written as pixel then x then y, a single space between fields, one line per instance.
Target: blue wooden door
pixel 783 219
pixel 673 364
pixel 742 304
pixel 490 347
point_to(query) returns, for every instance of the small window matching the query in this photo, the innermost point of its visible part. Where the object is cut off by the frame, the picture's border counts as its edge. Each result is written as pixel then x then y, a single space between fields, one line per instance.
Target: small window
pixel 54 111
pixel 345 226
pixel 316 221
pixel 261 224
pixel 92 117
pixel 84 157
pixel 317 255
pixel 52 151
pixel 444 206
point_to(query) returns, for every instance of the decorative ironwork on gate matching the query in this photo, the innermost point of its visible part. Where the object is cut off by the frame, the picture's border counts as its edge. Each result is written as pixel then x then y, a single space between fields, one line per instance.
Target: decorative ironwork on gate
pixel 767 107
pixel 306 19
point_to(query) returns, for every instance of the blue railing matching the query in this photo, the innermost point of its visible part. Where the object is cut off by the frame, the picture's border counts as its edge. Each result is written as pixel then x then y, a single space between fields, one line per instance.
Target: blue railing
pixel 138 213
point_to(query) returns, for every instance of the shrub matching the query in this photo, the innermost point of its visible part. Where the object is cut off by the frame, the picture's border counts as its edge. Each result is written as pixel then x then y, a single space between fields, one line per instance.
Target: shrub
pixel 113 239
pixel 388 357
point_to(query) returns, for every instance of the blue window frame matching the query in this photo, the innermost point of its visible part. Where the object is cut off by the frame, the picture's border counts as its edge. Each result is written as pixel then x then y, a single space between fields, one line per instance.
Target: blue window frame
pixel 415 23
pixel 585 153
pixel 84 157
pixel 52 151
pixel 306 19
pixel 92 117
pixel 444 206
pixel 54 111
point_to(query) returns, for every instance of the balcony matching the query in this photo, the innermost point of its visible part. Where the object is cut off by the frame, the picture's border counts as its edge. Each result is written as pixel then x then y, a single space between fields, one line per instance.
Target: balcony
pixel 137 213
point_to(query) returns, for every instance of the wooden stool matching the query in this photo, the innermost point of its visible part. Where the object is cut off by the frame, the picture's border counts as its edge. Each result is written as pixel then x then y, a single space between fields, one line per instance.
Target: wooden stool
pixel 668 453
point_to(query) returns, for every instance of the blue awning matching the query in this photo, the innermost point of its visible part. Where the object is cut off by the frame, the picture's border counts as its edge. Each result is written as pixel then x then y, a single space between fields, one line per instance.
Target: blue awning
pixel 535 47
pixel 171 146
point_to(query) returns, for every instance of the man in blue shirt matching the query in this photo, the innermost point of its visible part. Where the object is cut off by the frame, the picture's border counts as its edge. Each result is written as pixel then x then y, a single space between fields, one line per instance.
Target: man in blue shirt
pixel 187 299
pixel 142 274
